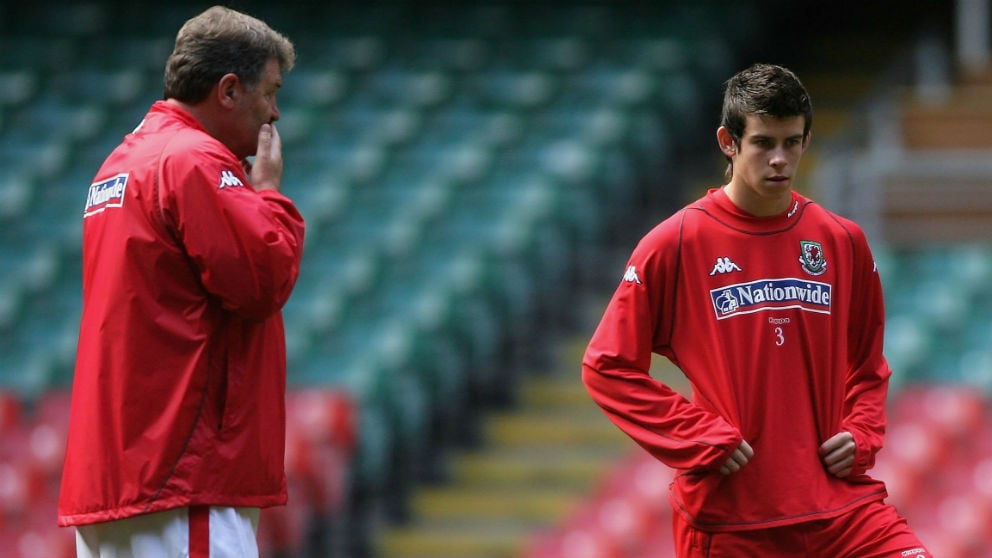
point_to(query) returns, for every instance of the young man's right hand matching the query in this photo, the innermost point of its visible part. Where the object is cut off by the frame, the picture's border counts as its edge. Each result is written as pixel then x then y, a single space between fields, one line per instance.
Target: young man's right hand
pixel 738 459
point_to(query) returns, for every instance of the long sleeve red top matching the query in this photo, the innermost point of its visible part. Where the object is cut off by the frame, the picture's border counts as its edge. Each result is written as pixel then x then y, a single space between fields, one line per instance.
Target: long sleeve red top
pixel 778 325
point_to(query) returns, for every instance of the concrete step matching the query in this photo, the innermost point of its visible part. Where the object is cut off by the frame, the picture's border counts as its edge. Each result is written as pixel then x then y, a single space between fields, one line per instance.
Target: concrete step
pixel 556 391
pixel 536 427
pixel 524 503
pixel 540 460
pixel 493 540
pixel 563 468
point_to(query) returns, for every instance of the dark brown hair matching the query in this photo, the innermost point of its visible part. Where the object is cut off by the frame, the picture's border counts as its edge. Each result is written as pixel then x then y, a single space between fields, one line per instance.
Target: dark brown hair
pixel 222 41
pixel 764 89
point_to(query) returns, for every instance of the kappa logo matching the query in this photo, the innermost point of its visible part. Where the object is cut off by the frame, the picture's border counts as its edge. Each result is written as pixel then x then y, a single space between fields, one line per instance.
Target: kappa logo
pixel 229 180
pixel 105 194
pixel 631 276
pixel 795 208
pixel 811 257
pixel 724 265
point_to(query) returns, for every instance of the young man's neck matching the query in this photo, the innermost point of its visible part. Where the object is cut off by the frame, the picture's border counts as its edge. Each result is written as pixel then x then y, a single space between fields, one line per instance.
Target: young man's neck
pixel 758 206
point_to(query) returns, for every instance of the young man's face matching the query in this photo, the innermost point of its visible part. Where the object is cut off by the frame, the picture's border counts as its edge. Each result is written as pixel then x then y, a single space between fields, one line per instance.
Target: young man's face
pixel 765 162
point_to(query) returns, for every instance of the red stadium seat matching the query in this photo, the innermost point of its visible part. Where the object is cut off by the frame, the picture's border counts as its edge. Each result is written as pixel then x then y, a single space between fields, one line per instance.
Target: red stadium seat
pixel 22 484
pixel 967 520
pixel 10 411
pixel 916 447
pixel 981 479
pixel 574 541
pixel 937 465
pixel 34 534
pixel 322 415
pixel 956 411
pixel 623 516
pixel 282 530
pixel 320 439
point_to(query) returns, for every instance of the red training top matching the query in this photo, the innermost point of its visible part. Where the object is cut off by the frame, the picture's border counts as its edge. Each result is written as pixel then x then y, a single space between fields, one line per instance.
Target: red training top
pixel 778 324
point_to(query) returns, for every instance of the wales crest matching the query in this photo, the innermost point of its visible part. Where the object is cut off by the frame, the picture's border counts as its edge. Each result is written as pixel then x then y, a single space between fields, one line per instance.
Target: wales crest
pixel 811 257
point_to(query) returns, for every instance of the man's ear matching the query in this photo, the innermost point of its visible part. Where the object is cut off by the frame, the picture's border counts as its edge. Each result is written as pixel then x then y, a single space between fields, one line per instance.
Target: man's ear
pixel 228 90
pixel 726 141
pixel 807 139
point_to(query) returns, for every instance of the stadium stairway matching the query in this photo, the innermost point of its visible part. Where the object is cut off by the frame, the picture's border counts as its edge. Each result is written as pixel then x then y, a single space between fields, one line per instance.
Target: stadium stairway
pixel 536 462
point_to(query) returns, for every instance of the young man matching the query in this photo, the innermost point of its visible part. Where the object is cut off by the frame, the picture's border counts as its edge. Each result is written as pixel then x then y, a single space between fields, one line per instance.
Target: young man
pixel 772 308
pixel 177 425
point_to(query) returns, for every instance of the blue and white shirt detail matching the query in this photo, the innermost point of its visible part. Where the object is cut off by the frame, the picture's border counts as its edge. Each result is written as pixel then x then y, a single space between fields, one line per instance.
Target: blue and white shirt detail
pixel 771 294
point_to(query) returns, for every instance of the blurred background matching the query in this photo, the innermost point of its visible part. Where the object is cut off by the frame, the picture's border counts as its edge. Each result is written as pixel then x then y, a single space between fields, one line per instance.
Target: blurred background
pixel 474 176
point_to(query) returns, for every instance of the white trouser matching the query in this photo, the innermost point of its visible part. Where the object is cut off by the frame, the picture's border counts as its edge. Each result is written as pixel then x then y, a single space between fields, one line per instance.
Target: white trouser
pixel 178 533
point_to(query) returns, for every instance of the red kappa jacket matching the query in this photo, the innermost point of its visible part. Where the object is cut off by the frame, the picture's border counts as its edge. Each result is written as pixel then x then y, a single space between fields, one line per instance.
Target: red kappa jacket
pixel 179 391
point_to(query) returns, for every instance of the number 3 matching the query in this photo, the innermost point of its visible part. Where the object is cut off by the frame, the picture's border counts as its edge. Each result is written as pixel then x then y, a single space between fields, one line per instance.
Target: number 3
pixel 779 337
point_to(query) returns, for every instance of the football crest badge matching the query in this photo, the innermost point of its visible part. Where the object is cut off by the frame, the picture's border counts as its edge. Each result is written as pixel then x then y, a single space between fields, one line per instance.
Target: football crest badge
pixel 811 257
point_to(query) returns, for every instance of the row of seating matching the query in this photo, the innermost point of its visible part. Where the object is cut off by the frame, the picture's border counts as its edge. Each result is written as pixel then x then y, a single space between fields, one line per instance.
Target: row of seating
pixel 452 169
pixel 938 307
pixel 455 166
pixel 451 180
pixel 320 443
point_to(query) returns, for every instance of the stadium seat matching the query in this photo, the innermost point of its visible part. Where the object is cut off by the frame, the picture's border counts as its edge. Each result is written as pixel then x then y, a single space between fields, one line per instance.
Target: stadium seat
pixel 455 56
pixel 314 87
pixel 352 52
pixel 17 87
pixel 10 410
pixel 321 436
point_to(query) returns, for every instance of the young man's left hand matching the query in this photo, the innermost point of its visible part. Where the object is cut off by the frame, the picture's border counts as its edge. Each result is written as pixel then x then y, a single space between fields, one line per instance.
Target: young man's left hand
pixel 837 454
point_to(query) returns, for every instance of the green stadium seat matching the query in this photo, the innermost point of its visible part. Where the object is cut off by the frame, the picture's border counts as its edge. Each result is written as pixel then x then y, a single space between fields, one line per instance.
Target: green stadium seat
pixel 113 87
pixel 311 87
pixel 47 55
pixel 354 53
pixel 18 86
pixel 453 56
pixel 555 20
pixel 12 296
pixel 401 86
pixel 145 55
pixel 515 90
pixel 483 20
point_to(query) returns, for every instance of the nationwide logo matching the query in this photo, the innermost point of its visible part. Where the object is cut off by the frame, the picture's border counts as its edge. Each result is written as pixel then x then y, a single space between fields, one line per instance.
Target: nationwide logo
pixel 771 294
pixel 105 194
pixel 229 180
pixel 724 265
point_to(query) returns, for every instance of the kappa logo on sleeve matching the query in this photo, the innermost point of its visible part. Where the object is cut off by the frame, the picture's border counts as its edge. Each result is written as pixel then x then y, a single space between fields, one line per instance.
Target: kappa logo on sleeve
pixel 631 275
pixel 106 194
pixel 229 180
